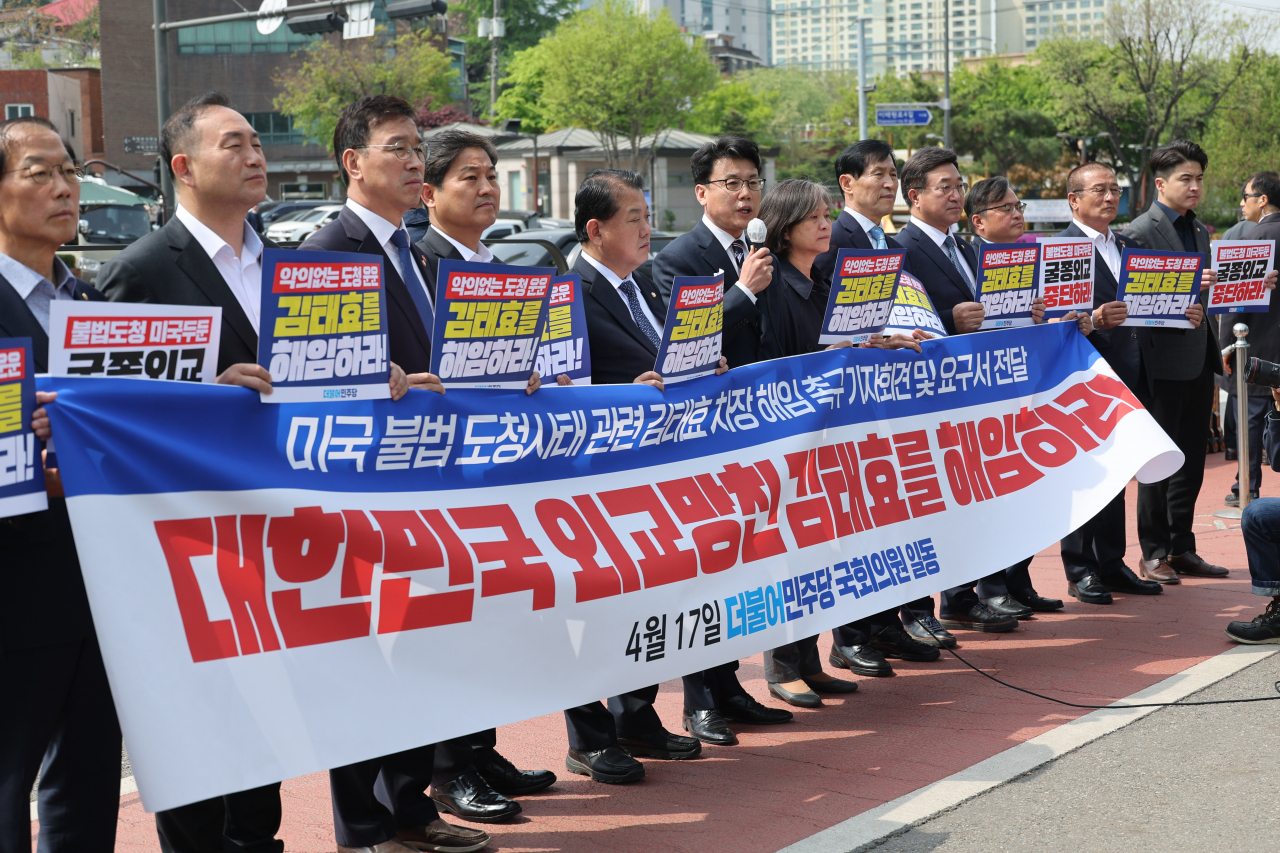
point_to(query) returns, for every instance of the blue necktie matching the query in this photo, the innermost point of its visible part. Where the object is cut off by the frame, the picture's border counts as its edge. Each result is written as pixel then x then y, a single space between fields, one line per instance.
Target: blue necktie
pixel 954 255
pixel 633 300
pixel 739 250
pixel 38 301
pixel 877 238
pixel 416 291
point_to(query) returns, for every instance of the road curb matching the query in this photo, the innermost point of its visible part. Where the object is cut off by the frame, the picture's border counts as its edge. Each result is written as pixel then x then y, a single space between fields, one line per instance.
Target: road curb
pixel 868 829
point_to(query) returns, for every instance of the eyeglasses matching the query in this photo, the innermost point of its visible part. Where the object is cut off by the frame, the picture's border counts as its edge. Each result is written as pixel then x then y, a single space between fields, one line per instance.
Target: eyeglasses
pixel 402 151
pixel 1006 209
pixel 945 189
pixel 42 174
pixel 1245 195
pixel 734 185
pixel 1100 191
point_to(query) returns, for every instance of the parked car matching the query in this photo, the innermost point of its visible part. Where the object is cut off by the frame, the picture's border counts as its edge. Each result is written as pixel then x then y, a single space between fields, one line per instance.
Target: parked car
pixel 658 241
pixel 306 224
pixel 108 224
pixel 275 211
pixel 526 254
pixel 503 228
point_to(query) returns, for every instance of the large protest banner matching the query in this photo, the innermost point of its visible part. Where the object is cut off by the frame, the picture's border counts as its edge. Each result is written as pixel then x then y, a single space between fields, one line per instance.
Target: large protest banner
pixel 258 572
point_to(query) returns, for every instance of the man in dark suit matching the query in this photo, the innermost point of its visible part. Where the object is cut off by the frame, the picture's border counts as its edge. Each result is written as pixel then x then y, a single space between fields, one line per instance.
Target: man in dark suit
pixel 382 162
pixel 1260 202
pixel 1093 554
pixel 1180 365
pixel 727 183
pixel 868 178
pixel 57 714
pixel 625 317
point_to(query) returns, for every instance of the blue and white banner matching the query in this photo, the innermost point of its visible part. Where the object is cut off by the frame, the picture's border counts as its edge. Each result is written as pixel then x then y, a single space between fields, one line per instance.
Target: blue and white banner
pixel 274 566
pixel 913 310
pixel 21 468
pixel 565 349
pixel 862 295
pixel 1008 273
pixel 1158 287
pixel 693 332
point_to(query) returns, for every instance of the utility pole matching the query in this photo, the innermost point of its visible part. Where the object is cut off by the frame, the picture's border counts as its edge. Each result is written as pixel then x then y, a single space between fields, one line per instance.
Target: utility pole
pixel 946 73
pixel 862 78
pixel 162 100
pixel 493 45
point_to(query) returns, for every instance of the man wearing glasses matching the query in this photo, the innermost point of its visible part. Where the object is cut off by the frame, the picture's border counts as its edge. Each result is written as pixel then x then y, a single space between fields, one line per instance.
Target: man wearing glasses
pixel 726 174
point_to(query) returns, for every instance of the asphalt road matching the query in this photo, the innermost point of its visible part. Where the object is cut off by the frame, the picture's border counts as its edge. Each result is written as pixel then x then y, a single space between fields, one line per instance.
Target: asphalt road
pixel 1180 779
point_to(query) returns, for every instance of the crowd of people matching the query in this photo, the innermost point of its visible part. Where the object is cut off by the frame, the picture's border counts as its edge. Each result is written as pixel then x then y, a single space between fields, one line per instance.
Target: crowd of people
pixel 58 719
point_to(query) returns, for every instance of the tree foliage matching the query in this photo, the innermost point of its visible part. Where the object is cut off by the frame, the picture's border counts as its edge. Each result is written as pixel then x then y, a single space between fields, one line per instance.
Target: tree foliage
pixel 1001 118
pixel 333 74
pixel 617 72
pixel 1242 140
pixel 1161 73
pixel 732 107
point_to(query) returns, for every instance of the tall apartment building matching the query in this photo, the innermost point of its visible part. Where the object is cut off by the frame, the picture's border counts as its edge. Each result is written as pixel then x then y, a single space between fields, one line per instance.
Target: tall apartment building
pixel 1074 17
pixel 902 35
pixel 747 21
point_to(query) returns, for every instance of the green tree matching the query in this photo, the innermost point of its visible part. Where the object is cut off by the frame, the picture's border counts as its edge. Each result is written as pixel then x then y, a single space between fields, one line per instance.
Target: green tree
pixel 522 91
pixel 731 107
pixel 619 73
pixel 527 23
pixel 333 74
pixel 1160 73
pixel 1001 118
pixel 1241 140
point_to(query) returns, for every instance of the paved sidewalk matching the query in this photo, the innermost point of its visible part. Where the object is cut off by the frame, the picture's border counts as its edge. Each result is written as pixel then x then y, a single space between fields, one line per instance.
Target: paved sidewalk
pixel 1181 779
pixel 785 783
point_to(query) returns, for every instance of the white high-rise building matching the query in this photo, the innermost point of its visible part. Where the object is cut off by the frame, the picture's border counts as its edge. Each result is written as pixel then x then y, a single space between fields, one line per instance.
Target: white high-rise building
pixel 903 35
pixel 747 21
pixel 1083 18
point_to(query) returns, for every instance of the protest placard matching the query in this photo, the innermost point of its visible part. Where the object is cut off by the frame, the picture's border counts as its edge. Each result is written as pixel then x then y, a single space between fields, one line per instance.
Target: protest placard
pixel 1066 275
pixel 488 323
pixel 565 350
pixel 694 330
pixel 323 332
pixel 21 471
pixel 1242 267
pixel 1007 275
pixel 913 310
pixel 170 342
pixel 1158 287
pixel 862 292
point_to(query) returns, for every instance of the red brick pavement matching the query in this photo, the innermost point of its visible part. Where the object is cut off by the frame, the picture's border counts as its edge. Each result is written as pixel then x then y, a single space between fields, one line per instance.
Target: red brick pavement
pixel 783 783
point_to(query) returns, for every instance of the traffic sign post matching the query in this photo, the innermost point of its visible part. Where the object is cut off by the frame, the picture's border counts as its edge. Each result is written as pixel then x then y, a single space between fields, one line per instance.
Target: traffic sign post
pixel 904 115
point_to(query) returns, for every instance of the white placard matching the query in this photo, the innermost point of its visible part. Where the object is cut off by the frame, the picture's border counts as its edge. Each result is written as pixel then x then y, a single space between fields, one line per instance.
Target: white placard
pixel 167 342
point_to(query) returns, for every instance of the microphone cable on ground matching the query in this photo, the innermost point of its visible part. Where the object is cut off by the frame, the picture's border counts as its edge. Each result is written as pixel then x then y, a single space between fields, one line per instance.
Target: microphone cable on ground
pixel 1093 707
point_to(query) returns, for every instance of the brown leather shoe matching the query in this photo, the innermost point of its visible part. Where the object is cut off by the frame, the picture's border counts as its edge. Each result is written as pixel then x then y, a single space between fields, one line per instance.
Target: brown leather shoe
pixel 1191 564
pixel 441 837
pixel 1159 571
pixel 391 846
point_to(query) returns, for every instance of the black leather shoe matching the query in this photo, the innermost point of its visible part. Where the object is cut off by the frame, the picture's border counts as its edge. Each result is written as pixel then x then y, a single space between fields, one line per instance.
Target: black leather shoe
pixel 504 778
pixel 807 699
pixel 1007 605
pixel 936 636
pixel 832 685
pixel 708 727
pixel 610 765
pixel 662 745
pixel 979 618
pixel 1090 590
pixel 744 709
pixel 1264 629
pixel 1037 602
pixel 863 660
pixel 893 642
pixel 1124 580
pixel 470 798
pixel 1191 564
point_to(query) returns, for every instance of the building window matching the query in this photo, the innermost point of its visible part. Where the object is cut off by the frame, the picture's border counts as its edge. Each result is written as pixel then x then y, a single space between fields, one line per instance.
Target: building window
pixel 18 110
pixel 239 37
pixel 275 128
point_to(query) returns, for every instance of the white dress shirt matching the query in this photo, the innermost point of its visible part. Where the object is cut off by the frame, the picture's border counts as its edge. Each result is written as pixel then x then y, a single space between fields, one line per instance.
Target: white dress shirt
pixel 484 256
pixel 939 237
pixel 243 275
pixel 1105 242
pixel 863 222
pixel 382 230
pixel 726 239
pixel 612 278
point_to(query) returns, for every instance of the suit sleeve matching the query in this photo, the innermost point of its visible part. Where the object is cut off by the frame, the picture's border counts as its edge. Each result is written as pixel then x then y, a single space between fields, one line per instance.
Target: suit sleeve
pixel 119 281
pixel 664 275
pixel 948 321
pixel 739 310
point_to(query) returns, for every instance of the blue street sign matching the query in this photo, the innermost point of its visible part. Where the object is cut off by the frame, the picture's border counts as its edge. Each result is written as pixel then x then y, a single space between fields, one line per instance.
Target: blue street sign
pixel 898 117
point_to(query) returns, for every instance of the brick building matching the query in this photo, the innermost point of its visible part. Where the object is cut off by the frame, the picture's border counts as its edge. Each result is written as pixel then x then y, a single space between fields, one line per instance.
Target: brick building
pixel 232 58
pixel 71 98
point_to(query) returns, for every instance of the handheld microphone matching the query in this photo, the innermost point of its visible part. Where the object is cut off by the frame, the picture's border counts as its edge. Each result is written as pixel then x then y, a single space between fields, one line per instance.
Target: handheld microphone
pixel 756 231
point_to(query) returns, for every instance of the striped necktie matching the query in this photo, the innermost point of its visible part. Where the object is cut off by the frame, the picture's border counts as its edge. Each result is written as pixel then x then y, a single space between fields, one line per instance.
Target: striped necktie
pixel 633 302
pixel 954 255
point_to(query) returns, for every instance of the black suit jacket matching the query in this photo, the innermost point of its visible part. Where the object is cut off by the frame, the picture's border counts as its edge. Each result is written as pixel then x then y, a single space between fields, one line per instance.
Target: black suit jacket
pixel 1264 326
pixel 1119 346
pixel 42 597
pixel 943 282
pixel 748 337
pixel 408 337
pixel 847 233
pixel 170 267
pixel 435 248
pixel 619 350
